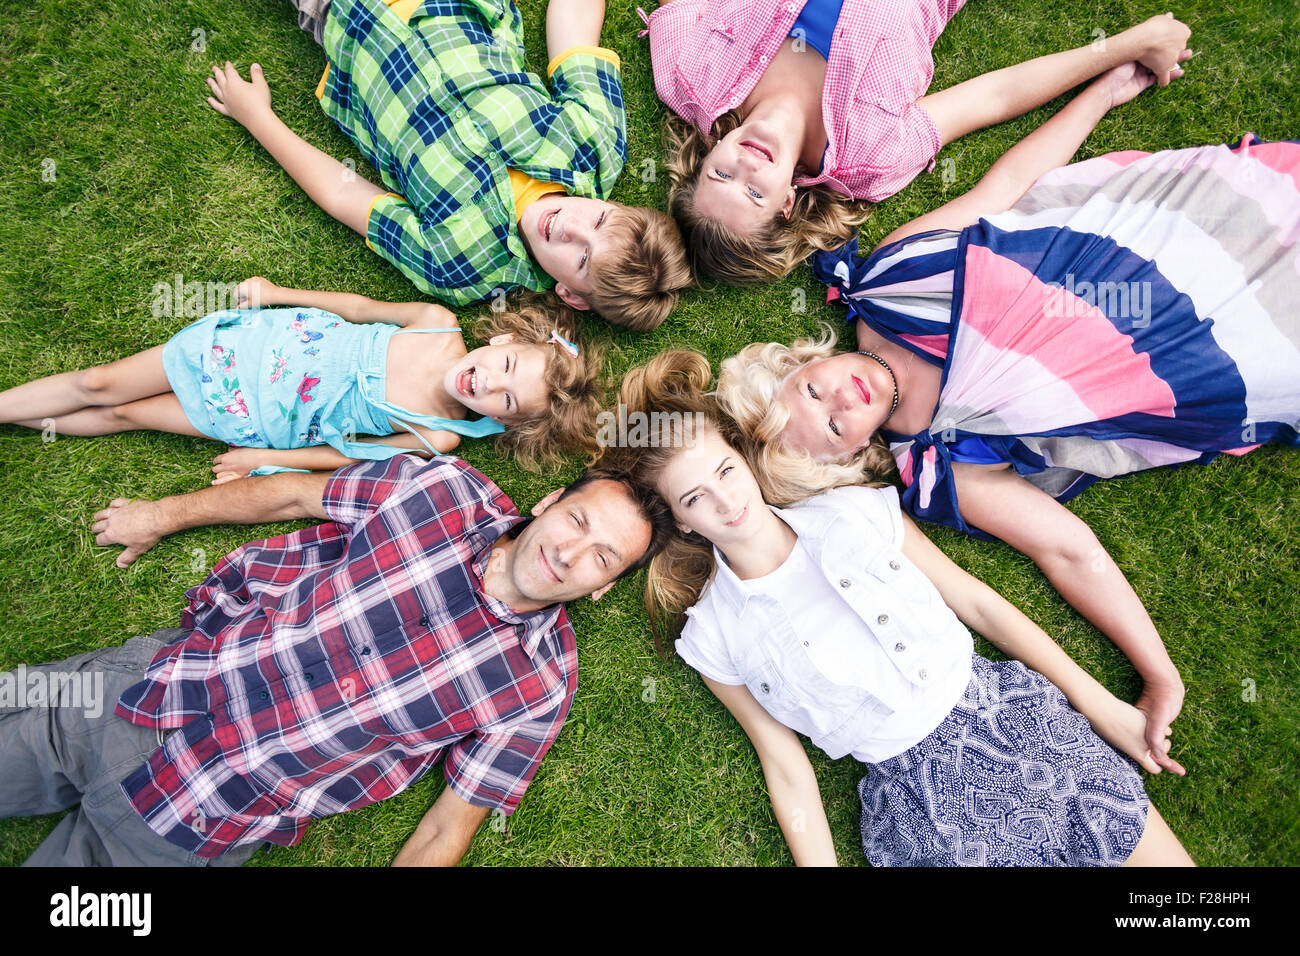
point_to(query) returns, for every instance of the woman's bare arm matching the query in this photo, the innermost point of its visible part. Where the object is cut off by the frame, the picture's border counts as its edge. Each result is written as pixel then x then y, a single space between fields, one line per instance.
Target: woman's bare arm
pixel 1051 145
pixel 1000 502
pixel 791 781
pixel 987 612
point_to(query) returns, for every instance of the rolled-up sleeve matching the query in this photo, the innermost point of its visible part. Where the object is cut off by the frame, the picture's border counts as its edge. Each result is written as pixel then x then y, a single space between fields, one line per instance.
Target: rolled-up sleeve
pixel 583 145
pixel 493 768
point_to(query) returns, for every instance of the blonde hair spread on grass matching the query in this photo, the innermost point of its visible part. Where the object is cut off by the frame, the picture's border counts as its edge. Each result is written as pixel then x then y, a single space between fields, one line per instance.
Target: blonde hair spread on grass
pixel 748 387
pixel 672 382
pixel 574 386
pixel 639 287
pixel 821 218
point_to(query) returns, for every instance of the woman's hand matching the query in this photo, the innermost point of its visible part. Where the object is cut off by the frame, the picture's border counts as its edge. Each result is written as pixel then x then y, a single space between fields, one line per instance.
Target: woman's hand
pixel 241 100
pixel 255 292
pixel 1163 41
pixel 1124 727
pixel 1122 83
pixel 1161 702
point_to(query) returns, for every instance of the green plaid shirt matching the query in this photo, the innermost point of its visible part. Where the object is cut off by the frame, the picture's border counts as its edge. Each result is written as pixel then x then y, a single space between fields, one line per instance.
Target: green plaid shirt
pixel 442 106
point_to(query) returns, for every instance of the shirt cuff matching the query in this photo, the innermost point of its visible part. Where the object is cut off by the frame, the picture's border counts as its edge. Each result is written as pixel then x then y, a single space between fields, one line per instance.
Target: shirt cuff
pixel 596 51
pixel 371 211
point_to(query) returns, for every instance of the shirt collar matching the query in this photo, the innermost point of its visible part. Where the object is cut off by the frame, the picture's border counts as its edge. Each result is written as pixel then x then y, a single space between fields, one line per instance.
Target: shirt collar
pixel 809 525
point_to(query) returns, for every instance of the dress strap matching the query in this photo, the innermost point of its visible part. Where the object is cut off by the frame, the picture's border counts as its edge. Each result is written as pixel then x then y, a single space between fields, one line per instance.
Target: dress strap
pixel 454 328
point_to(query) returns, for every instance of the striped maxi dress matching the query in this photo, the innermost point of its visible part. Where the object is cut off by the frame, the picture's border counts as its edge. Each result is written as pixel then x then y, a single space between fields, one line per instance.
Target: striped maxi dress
pixel 1131 311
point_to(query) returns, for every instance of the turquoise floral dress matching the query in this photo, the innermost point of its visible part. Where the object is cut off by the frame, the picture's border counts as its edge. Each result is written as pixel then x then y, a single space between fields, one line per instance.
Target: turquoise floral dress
pixel 290 377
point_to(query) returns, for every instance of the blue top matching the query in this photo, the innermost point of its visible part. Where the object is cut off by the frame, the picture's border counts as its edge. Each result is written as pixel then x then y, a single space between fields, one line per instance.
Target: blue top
pixel 291 377
pixel 816 24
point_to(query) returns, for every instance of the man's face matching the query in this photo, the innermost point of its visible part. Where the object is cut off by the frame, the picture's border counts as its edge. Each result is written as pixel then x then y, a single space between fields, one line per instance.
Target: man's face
pixel 567 235
pixel 578 545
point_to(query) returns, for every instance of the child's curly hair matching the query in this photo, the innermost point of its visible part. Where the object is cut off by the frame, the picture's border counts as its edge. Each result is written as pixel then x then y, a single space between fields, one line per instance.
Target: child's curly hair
pixel 821 218
pixel 574 385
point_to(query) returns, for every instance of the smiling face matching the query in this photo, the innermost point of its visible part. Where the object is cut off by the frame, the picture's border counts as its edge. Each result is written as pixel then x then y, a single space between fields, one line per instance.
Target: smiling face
pixel 712 491
pixel 503 380
pixel 745 181
pixel 579 544
pixel 836 404
pixel 566 236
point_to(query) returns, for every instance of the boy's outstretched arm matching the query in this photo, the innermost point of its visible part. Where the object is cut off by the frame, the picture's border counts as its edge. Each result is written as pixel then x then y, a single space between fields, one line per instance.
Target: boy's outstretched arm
pixel 571 23
pixel 331 185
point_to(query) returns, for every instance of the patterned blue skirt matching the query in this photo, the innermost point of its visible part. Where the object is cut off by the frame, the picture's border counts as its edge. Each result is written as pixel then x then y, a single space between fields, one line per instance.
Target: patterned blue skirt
pixel 1014 776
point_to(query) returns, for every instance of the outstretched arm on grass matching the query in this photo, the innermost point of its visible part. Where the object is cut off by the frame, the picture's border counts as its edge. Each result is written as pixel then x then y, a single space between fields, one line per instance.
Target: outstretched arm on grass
pixel 140 524
pixel 1158 44
pixel 1051 145
pixel 999 501
pixel 571 23
pixel 331 185
pixel 1125 727
pixel 256 292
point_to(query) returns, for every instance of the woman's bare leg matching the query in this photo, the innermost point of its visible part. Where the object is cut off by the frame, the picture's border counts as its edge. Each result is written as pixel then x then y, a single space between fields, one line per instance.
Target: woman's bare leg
pixel 116 383
pixel 1158 846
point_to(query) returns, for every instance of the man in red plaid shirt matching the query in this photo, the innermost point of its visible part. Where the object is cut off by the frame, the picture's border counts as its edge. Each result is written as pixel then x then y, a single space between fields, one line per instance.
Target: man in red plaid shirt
pixel 327 669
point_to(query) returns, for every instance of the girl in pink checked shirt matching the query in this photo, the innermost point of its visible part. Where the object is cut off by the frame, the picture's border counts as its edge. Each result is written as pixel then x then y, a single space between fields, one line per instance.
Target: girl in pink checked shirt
pixel 790 112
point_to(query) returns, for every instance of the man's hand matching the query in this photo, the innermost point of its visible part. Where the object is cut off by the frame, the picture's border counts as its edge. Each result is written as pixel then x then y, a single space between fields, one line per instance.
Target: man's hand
pixel 128 522
pixel 237 98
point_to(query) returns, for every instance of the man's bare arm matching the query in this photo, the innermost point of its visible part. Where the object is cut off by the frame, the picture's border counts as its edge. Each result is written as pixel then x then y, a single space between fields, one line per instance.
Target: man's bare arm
pixel 140 524
pixel 443 834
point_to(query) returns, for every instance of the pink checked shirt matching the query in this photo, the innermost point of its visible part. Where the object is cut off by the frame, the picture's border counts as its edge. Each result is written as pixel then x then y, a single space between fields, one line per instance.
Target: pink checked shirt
pixel 708 54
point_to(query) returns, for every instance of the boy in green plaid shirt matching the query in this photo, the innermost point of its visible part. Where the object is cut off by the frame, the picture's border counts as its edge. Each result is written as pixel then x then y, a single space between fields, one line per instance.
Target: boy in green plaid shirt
pixel 495 182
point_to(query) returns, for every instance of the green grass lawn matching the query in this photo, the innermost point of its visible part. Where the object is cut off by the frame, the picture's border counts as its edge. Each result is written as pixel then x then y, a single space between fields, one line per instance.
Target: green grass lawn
pixel 650 768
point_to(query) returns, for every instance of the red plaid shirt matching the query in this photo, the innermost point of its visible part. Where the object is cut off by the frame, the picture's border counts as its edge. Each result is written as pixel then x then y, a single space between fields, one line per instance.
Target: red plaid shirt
pixel 708 55
pixel 329 668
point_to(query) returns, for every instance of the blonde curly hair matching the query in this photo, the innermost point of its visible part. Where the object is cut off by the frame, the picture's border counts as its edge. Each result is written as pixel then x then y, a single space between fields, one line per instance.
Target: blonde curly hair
pixel 821 218
pixel 748 391
pixel 574 384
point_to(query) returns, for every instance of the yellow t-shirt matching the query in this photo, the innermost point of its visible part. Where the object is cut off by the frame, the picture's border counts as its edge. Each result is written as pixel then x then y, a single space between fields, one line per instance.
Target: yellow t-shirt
pixel 528 190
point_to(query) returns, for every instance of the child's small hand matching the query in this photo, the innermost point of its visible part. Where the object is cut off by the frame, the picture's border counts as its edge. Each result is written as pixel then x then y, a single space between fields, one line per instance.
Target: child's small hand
pixel 238 462
pixel 237 98
pixel 1164 41
pixel 255 292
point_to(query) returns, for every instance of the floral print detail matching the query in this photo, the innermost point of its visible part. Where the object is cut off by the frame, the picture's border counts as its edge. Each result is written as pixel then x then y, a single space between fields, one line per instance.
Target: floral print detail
pixel 236 405
pixel 278 365
pixel 305 334
pixel 223 359
pixel 305 387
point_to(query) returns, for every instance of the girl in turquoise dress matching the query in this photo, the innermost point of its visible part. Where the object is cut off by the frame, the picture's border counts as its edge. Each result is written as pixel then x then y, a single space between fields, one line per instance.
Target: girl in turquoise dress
pixel 310 380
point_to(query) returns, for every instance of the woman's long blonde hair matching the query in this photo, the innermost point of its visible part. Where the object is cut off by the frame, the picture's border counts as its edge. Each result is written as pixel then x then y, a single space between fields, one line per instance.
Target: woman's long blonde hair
pixel 748 391
pixel 820 219
pixel 676 384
